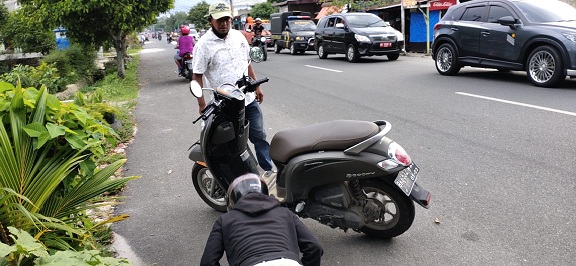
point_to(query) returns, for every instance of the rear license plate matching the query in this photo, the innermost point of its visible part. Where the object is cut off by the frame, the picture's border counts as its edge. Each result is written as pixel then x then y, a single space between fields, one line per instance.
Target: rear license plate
pixel 406 178
pixel 385 44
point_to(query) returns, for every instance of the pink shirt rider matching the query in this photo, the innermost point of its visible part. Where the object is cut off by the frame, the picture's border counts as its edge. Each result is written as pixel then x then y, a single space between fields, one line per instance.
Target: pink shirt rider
pixel 185 44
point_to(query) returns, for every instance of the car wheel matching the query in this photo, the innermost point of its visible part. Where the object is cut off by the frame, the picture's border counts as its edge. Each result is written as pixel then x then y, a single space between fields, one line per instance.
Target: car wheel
pixel 352 54
pixel 447 60
pixel 321 52
pixel 292 49
pixel 393 57
pixel 544 67
pixel 277 48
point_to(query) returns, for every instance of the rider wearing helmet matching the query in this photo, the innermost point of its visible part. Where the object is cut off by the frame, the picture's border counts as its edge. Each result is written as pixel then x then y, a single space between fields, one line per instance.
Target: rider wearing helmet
pixel 259 29
pixel 258 231
pixel 185 44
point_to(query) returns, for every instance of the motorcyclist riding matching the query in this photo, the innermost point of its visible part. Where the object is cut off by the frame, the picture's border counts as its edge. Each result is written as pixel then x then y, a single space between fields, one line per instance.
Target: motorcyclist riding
pixel 258 30
pixel 186 45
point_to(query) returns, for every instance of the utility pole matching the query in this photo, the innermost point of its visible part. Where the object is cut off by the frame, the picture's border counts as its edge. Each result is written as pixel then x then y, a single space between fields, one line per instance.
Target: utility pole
pixel 231 9
pixel 403 23
pixel 427 20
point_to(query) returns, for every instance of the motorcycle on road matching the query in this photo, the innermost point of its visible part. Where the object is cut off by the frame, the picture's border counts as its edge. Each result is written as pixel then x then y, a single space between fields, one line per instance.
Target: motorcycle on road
pixel 260 41
pixel 345 174
pixel 186 64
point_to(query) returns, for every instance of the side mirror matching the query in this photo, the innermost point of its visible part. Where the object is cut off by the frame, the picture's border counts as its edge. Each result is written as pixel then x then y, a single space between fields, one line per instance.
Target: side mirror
pixel 508 21
pixel 256 54
pixel 195 89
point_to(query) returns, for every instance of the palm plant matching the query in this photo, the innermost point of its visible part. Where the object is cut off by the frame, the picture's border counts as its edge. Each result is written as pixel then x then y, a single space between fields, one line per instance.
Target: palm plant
pixel 47 169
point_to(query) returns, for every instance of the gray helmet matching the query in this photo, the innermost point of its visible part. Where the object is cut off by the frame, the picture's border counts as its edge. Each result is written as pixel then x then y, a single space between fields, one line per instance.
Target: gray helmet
pixel 243 185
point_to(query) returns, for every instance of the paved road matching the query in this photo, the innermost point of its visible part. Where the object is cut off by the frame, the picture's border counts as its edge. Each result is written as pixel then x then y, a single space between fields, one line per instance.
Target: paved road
pixel 496 152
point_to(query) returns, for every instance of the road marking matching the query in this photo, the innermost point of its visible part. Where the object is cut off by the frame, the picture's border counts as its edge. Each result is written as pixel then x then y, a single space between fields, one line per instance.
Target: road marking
pixel 327 69
pixel 518 103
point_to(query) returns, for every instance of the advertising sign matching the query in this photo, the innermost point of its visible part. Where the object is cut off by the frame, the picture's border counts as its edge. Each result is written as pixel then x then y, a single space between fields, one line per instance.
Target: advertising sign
pixel 441 4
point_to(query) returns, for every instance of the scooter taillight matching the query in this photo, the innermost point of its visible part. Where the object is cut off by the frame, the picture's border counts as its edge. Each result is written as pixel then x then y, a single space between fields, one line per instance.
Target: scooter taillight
pixel 398 154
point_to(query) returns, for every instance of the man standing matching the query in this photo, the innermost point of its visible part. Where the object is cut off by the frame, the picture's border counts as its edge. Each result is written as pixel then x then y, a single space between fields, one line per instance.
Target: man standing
pixel 221 57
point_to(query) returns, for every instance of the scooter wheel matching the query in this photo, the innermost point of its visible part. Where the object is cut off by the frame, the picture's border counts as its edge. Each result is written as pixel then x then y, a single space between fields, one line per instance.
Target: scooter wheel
pixel 396 209
pixel 202 179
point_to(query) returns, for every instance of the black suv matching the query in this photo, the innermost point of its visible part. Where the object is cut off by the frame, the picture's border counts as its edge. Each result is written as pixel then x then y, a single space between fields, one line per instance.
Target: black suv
pixel 356 35
pixel 532 35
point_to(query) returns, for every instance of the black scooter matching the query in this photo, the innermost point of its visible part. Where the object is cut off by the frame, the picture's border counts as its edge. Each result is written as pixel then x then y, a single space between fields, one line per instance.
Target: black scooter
pixel 344 174
pixel 186 64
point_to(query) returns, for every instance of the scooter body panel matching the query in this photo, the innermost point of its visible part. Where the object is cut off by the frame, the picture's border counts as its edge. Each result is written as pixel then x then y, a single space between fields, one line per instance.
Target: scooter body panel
pixel 226 150
pixel 304 172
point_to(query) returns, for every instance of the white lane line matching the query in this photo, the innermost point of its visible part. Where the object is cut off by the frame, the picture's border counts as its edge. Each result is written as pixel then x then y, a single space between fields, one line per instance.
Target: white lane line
pixel 518 103
pixel 327 69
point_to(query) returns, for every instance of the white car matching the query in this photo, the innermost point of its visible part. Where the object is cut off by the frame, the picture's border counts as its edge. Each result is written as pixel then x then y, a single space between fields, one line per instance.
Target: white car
pixel 194 34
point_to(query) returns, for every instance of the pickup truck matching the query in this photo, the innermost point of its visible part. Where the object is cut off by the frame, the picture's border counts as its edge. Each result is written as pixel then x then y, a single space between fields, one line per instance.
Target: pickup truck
pixel 293 30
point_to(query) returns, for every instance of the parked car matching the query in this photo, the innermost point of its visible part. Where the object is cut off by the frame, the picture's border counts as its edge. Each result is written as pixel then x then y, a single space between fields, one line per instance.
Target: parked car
pixel 538 37
pixel 357 35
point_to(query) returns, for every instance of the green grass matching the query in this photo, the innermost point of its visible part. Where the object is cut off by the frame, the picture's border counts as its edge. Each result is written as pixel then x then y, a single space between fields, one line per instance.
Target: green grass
pixel 115 89
pixel 122 94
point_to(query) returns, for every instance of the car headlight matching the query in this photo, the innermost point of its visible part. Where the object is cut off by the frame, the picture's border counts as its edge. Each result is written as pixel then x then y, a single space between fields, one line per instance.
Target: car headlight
pixel 399 36
pixel 298 38
pixel 570 36
pixel 361 38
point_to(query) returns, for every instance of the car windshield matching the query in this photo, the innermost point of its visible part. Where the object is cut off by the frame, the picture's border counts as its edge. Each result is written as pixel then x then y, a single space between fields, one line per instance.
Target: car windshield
pixel 302 25
pixel 550 11
pixel 365 21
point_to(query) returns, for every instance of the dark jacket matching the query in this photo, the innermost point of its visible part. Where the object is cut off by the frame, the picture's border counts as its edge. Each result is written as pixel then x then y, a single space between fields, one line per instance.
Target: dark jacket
pixel 257 229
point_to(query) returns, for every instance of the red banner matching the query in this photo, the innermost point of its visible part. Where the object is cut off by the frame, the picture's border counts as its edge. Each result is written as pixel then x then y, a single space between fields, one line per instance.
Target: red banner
pixel 441 4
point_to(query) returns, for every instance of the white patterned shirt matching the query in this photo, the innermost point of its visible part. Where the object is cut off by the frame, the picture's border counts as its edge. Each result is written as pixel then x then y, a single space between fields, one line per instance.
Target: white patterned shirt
pixel 222 61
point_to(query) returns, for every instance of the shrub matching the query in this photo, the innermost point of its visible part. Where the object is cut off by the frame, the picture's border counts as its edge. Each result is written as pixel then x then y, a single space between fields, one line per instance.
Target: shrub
pixel 26 250
pixel 75 63
pixel 29 76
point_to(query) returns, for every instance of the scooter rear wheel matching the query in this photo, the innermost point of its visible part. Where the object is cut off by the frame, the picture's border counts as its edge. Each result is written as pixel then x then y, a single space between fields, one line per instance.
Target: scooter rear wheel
pixel 202 179
pixel 396 209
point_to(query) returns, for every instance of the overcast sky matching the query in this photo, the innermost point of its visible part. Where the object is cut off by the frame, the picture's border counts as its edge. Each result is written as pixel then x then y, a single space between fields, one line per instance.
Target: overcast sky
pixel 185 5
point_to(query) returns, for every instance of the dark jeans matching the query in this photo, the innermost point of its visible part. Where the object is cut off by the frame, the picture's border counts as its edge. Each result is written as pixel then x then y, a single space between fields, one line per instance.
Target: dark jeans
pixel 257 135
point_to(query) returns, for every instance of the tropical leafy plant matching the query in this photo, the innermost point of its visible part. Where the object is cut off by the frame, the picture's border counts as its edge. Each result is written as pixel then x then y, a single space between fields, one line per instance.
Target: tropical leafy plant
pixel 29 76
pixel 47 168
pixel 27 250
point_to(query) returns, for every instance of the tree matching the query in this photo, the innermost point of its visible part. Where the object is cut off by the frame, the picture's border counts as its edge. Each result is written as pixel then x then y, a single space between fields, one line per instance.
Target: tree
pixel 176 20
pixel 96 22
pixel 197 15
pixel 263 10
pixel 17 30
pixel 3 20
pixel 359 5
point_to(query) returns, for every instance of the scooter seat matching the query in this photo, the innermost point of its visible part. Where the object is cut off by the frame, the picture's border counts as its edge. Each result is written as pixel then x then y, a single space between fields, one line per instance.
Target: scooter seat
pixel 332 135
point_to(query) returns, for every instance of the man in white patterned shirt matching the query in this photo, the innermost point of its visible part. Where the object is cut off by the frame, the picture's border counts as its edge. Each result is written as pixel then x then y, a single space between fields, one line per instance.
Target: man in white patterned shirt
pixel 221 56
